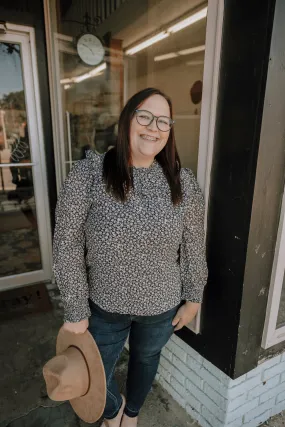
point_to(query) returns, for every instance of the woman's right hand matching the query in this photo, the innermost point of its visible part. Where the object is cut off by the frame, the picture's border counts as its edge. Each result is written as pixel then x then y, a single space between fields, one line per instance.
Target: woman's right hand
pixel 76 327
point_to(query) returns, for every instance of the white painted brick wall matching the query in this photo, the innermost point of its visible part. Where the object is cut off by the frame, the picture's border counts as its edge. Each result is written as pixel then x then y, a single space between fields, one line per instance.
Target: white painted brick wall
pixel 261 389
pixel 215 400
pixel 281 395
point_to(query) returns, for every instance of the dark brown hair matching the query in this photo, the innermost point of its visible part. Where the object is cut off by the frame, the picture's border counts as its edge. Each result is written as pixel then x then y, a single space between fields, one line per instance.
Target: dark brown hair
pixel 117 170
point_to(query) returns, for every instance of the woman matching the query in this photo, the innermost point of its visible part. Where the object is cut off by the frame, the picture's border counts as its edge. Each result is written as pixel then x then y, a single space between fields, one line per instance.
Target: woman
pixel 129 247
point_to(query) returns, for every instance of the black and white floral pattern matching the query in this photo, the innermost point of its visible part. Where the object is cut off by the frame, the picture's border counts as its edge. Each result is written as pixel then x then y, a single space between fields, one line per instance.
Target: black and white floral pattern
pixel 141 257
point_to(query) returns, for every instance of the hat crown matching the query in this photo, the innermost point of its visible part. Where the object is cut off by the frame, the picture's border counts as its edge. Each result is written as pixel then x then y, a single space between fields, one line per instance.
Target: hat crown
pixel 67 375
pixel 77 374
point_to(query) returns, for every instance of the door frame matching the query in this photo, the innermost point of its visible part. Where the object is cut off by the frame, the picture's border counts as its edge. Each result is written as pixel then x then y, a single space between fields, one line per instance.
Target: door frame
pixel 25 36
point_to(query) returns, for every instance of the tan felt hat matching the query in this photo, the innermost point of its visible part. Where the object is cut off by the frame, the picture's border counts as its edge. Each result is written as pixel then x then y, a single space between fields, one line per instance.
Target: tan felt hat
pixel 77 374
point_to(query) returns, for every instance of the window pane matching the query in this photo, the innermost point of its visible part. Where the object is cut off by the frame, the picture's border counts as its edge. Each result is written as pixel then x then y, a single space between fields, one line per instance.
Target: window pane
pixel 19 239
pixel 14 139
pixel 94 95
pixel 281 313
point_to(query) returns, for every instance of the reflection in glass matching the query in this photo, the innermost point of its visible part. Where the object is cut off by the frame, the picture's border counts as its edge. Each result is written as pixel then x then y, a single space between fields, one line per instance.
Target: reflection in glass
pixel 14 139
pixel 93 97
pixel 281 313
pixel 19 240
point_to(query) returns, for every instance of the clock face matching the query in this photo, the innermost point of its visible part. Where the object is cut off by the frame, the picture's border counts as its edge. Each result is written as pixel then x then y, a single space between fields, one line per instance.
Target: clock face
pixel 90 49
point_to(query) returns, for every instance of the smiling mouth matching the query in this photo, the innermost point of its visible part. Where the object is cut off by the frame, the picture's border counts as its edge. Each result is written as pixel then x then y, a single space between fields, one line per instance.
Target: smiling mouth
pixel 149 138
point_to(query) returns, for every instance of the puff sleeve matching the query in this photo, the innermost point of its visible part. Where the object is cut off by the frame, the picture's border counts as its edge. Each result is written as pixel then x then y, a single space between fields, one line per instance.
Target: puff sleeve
pixel 193 265
pixel 69 241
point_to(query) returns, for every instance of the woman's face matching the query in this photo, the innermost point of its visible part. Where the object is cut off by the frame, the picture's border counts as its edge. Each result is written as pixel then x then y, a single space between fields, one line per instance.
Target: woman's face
pixel 147 141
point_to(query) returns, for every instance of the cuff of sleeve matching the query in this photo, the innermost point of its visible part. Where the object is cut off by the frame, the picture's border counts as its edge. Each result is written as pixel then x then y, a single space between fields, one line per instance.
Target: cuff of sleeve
pixel 76 310
pixel 193 295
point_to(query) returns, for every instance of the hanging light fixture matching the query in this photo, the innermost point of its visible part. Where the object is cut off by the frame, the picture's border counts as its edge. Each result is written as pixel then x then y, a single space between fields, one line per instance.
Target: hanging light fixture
pixel 186 22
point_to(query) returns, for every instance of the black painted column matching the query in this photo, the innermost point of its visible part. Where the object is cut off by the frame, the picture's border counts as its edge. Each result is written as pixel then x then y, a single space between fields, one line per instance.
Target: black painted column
pixel 246 40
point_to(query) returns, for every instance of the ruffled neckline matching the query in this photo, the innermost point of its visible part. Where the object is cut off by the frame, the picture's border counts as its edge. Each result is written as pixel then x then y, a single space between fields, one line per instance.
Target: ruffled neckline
pixel 154 166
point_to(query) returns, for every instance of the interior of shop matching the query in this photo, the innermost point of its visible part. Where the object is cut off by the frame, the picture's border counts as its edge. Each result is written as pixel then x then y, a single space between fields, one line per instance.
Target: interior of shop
pixel 19 241
pixel 144 49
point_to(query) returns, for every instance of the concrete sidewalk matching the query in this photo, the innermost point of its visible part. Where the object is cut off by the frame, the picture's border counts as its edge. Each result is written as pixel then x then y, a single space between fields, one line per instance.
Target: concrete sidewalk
pixel 26 344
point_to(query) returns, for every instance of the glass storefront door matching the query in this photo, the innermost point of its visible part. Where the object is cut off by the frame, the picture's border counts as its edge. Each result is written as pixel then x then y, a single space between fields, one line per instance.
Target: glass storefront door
pixel 24 238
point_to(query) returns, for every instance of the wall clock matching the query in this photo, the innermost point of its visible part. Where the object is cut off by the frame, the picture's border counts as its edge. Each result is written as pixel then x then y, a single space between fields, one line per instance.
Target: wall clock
pixel 90 49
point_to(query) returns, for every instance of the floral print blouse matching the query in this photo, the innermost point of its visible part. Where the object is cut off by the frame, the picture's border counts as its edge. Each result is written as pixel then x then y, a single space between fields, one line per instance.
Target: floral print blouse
pixel 140 257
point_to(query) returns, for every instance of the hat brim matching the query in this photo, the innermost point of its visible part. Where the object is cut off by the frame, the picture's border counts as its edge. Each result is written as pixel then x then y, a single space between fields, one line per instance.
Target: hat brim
pixel 89 407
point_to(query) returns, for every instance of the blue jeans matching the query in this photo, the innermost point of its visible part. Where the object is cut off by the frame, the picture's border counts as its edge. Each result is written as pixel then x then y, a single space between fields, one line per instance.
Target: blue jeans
pixel 147 336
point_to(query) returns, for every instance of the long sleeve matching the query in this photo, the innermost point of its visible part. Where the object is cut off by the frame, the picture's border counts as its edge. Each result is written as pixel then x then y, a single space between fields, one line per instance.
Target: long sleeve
pixel 194 271
pixel 69 242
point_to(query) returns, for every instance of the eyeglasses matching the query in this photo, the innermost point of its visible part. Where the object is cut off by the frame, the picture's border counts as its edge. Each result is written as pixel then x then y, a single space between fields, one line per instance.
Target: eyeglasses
pixel 145 118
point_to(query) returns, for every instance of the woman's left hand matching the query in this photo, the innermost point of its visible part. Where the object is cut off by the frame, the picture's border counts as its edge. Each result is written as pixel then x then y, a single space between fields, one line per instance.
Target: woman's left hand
pixel 185 314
